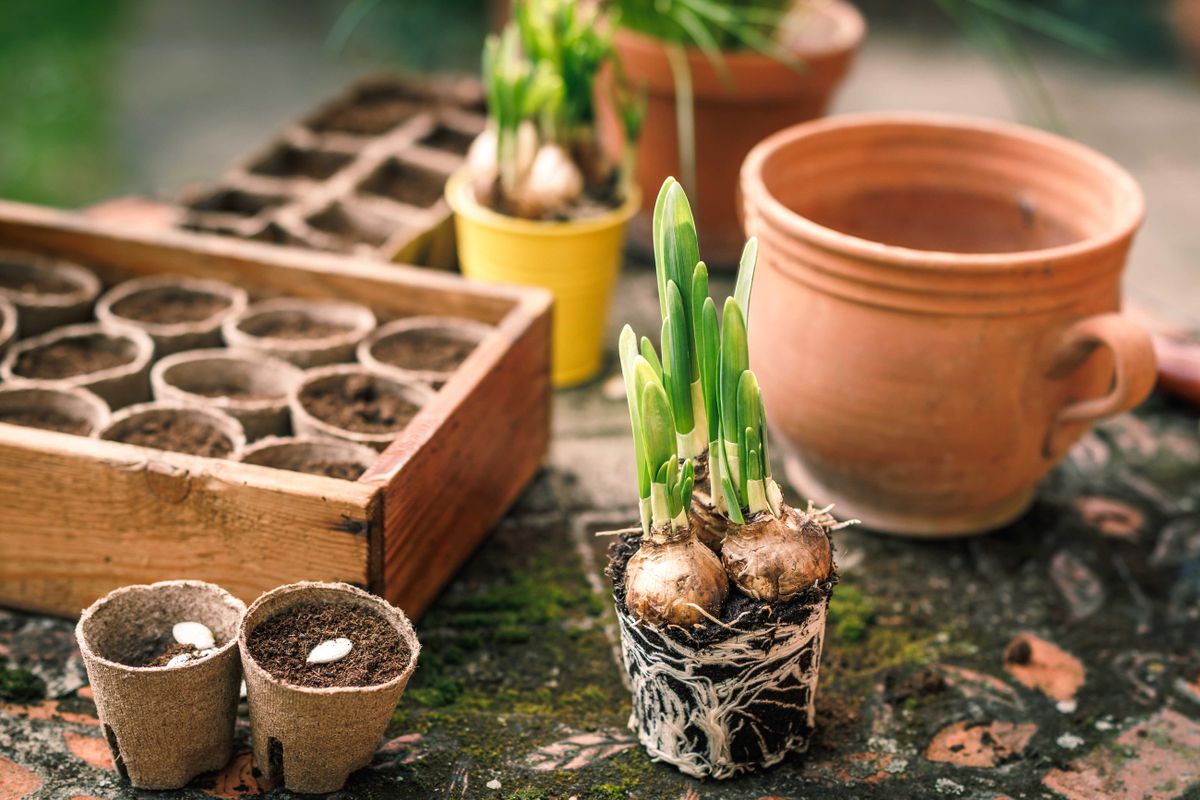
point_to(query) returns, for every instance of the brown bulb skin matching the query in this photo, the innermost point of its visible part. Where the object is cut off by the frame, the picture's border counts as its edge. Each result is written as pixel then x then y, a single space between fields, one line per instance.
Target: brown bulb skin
pixel 774 559
pixel 674 581
pixel 709 525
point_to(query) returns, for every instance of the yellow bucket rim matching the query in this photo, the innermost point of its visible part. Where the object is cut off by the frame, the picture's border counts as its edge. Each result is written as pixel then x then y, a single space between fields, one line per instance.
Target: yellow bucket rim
pixel 462 202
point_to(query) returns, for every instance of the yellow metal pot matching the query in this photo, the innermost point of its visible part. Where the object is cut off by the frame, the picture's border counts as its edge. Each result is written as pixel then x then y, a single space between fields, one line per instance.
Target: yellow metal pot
pixel 577 261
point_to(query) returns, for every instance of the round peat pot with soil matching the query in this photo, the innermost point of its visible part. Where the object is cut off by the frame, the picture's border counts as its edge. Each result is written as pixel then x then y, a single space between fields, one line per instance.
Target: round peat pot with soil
pixel 307 333
pixel 47 292
pixel 348 401
pixel 66 410
pixel 330 458
pixel 957 282
pixel 8 324
pixel 427 349
pixel 325 666
pixel 732 694
pixel 115 364
pixel 162 660
pixel 251 388
pixel 576 260
pixel 178 428
pixel 179 313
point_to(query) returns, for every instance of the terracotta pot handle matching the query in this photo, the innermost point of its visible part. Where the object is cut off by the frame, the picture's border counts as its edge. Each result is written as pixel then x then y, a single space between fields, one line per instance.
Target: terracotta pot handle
pixel 1134 370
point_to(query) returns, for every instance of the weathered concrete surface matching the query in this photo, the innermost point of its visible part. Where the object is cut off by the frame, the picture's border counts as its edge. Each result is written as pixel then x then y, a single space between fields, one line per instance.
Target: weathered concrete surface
pixel 1057 658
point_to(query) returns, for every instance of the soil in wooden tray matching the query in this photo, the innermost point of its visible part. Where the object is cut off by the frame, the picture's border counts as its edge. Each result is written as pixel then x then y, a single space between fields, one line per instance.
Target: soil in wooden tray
pixel 281 645
pixel 356 404
pixel 179 435
pixel 373 111
pixel 23 278
pixel 77 355
pixel 236 201
pixel 46 419
pixel 406 183
pixel 170 304
pixel 294 326
pixel 287 161
pixel 452 140
pixel 423 350
pixel 314 464
pixel 335 221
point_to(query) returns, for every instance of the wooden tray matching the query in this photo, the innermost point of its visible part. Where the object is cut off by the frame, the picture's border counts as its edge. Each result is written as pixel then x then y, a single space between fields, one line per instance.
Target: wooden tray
pixel 80 516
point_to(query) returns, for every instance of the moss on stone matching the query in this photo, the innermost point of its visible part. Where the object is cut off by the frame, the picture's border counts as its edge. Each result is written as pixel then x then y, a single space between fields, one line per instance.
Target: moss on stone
pixel 20 686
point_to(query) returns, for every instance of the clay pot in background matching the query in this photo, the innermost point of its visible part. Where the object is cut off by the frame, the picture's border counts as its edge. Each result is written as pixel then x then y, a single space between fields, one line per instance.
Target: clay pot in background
pixel 312 455
pixel 172 328
pixel 118 385
pixel 66 410
pixel 129 423
pixel 251 388
pixel 47 292
pixel 734 111
pixel 257 330
pixel 346 382
pixel 316 737
pixel 934 316
pixel 468 333
pixel 164 725
pixel 8 324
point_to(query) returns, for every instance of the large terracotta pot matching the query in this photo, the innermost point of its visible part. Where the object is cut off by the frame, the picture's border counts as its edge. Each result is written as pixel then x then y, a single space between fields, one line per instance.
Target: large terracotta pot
pixel 758 96
pixel 934 317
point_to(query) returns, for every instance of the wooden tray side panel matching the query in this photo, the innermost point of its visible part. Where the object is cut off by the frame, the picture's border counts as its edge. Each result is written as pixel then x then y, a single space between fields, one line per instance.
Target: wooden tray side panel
pixel 80 517
pixel 455 486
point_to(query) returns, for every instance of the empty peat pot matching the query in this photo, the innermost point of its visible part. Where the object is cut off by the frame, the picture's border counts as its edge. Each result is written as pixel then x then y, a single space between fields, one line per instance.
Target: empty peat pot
pixel 115 364
pixel 308 333
pixel 348 401
pixel 314 723
pixel 8 324
pixel 66 409
pixel 251 388
pixel 178 312
pixel 427 349
pixel 330 458
pixel 178 428
pixel 730 697
pixel 47 292
pixel 934 320
pixel 164 724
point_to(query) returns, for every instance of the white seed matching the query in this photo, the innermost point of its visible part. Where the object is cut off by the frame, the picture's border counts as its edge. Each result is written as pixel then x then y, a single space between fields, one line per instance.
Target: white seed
pixel 193 633
pixel 179 660
pixel 330 650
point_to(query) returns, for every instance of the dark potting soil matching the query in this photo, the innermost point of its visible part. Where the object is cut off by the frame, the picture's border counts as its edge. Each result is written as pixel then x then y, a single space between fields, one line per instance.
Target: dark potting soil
pixel 233 390
pixel 406 183
pixel 77 355
pixel 423 350
pixel 281 645
pixel 294 326
pixel 172 304
pixel 367 118
pixel 153 651
pixel 29 280
pixel 356 403
pixel 313 464
pixel 46 419
pixel 740 612
pixel 172 650
pixel 179 434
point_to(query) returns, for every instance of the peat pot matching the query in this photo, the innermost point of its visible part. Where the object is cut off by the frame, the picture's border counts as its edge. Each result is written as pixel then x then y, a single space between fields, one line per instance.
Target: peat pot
pixel 577 261
pixel 164 724
pixel 179 313
pixel 935 320
pixel 755 96
pixel 311 738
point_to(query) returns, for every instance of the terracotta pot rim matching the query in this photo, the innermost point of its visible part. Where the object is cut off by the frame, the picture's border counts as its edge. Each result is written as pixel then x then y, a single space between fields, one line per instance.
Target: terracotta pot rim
pixel 226 423
pixel 158 375
pixel 793 224
pixel 467 330
pixel 237 298
pixel 85 645
pixel 851 27
pixel 418 392
pixel 86 396
pixel 462 201
pixel 141 340
pixel 363 323
pixel 406 632
pixel 87 284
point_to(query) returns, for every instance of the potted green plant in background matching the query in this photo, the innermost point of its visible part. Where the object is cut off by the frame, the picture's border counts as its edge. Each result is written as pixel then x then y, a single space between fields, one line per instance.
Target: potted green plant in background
pixel 539 202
